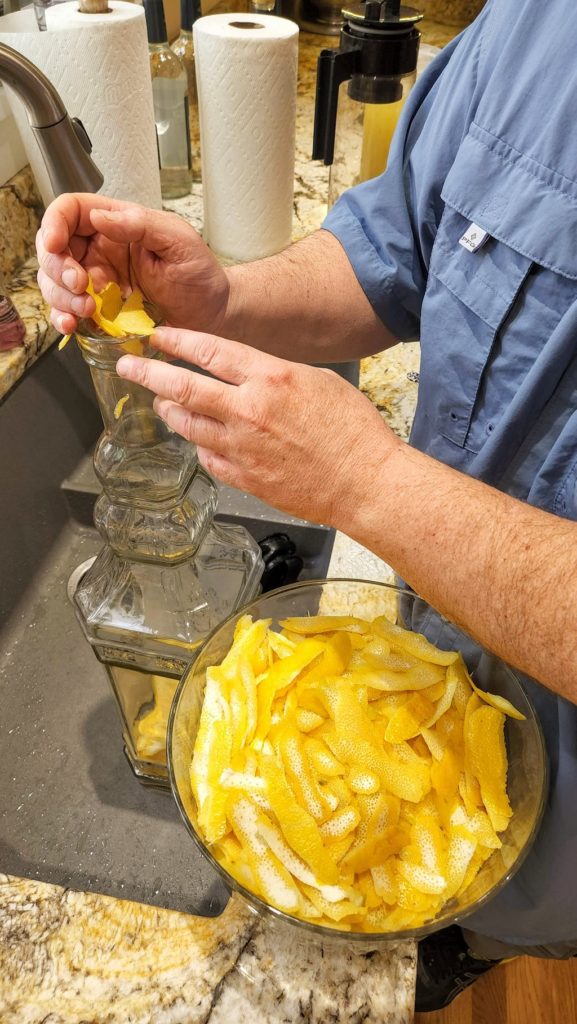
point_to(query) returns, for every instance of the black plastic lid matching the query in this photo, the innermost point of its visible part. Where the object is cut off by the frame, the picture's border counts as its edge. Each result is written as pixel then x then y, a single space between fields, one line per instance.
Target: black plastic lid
pixel 189 12
pixel 155 21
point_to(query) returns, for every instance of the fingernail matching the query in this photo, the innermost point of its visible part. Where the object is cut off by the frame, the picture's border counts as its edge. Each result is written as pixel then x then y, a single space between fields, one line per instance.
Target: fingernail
pixel 78 303
pixel 124 366
pixel 158 335
pixel 61 324
pixel 70 278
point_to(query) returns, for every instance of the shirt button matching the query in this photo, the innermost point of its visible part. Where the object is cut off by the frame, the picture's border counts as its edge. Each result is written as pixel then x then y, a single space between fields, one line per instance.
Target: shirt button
pixel 453 416
pixel 490 428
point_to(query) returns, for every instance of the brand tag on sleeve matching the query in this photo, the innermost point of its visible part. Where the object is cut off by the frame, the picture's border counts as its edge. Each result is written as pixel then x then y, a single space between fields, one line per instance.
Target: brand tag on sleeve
pixel 473 238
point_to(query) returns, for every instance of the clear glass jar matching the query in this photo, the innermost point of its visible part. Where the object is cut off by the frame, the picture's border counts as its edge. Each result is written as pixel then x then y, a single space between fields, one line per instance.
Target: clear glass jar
pixel 167 574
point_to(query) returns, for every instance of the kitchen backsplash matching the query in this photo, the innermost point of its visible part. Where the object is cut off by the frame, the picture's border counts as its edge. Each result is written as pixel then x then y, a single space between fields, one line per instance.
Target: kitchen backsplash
pixel 20 213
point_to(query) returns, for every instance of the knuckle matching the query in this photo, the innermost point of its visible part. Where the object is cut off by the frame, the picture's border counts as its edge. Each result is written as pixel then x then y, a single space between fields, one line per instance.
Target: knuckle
pixel 256 415
pixel 183 388
pixel 179 345
pixel 141 373
pixel 187 429
pixel 207 350
pixel 51 291
pixel 47 261
pixel 278 374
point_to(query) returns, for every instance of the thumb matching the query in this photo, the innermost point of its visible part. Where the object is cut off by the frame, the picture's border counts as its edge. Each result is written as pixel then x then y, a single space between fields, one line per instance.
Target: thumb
pixel 164 234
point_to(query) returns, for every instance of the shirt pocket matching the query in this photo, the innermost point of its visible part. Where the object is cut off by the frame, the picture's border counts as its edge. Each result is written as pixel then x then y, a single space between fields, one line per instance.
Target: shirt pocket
pixel 469 297
pixel 529 212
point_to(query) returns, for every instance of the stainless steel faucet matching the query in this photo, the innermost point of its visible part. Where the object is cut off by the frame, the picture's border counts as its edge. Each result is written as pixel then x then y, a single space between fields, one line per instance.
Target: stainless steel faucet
pixel 63 141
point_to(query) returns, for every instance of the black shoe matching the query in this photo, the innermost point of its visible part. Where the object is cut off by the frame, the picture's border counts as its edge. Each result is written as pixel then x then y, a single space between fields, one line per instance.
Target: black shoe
pixel 444 968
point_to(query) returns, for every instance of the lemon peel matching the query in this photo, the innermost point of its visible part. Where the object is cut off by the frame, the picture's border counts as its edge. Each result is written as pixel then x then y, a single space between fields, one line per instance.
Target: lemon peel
pixel 120 406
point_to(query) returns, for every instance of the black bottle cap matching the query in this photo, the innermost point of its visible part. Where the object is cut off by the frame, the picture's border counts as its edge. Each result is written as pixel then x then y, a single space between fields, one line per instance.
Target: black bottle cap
pixel 155 21
pixel 189 12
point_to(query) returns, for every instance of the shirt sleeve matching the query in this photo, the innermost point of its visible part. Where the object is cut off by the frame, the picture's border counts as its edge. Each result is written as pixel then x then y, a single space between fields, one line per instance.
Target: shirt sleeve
pixel 387 225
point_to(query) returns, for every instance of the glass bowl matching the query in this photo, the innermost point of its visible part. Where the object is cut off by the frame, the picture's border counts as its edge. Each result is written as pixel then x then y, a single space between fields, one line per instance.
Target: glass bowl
pixel 527 771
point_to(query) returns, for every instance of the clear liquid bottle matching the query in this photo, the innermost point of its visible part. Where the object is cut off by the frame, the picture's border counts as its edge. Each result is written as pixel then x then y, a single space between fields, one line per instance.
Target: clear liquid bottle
pixel 170 96
pixel 183 47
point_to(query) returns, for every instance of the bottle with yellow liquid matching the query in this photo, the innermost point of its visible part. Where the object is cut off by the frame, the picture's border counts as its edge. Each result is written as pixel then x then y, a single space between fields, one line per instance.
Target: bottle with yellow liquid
pixel 361 90
pixel 167 573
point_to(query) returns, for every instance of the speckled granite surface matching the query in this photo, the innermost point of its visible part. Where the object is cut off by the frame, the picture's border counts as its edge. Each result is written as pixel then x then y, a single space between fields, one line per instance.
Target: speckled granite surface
pixel 20 213
pixel 80 958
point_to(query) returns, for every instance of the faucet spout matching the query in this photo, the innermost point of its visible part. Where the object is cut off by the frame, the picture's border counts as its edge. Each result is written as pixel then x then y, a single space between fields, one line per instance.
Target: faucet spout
pixel 63 141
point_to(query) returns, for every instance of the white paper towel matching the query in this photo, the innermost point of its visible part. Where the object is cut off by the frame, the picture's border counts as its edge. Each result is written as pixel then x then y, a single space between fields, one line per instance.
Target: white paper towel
pixel 99 64
pixel 247 79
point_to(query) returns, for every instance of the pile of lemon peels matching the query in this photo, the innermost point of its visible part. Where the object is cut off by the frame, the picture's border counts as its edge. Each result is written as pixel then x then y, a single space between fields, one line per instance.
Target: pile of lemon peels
pixel 348 772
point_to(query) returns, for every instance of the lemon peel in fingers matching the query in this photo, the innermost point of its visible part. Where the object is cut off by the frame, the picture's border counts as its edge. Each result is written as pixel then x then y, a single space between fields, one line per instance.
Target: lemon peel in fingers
pixel 118 317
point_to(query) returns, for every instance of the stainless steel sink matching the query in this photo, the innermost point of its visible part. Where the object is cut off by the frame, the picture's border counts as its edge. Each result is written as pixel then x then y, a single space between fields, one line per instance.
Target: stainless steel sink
pixel 71 812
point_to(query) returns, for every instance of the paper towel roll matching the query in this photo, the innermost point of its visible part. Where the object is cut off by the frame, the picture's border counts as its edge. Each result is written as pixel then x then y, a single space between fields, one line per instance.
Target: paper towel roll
pixel 246 68
pixel 100 66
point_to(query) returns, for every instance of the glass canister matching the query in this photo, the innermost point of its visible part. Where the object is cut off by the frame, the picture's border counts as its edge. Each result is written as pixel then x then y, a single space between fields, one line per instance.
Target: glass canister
pixel 167 574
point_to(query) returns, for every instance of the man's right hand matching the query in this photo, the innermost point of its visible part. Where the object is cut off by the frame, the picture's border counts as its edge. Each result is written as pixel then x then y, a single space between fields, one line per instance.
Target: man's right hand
pixel 111 240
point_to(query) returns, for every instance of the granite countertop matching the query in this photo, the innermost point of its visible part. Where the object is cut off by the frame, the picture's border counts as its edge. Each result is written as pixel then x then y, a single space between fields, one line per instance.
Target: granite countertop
pixel 81 958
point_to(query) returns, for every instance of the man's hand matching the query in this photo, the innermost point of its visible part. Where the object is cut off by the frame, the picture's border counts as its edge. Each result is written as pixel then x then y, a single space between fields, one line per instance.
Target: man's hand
pixel 296 436
pixel 117 241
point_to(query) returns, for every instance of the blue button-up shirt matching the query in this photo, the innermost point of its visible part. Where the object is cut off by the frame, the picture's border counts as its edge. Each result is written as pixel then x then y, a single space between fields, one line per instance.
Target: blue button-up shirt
pixel 489 136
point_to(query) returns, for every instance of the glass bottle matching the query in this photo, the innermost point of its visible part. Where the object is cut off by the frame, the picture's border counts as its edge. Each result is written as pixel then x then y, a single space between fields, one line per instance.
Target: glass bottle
pixel 167 574
pixel 183 47
pixel 170 96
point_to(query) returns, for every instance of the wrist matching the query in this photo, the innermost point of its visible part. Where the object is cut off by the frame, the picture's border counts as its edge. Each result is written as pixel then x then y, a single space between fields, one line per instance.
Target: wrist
pixel 232 321
pixel 369 515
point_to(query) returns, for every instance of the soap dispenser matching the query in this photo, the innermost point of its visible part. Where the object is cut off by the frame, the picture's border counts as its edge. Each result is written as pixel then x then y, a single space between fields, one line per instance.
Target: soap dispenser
pixel 361 90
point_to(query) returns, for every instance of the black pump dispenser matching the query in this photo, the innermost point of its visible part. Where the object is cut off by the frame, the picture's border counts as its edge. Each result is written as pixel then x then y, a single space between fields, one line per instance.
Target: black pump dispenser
pixel 379 44
pixel 155 21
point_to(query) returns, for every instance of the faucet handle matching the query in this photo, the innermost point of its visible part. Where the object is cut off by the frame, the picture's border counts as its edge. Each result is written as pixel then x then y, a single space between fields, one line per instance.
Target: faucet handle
pixel 81 134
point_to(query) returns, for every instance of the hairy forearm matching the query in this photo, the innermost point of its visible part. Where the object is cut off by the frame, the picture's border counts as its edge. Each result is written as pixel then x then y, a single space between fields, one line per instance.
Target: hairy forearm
pixel 304 304
pixel 503 571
